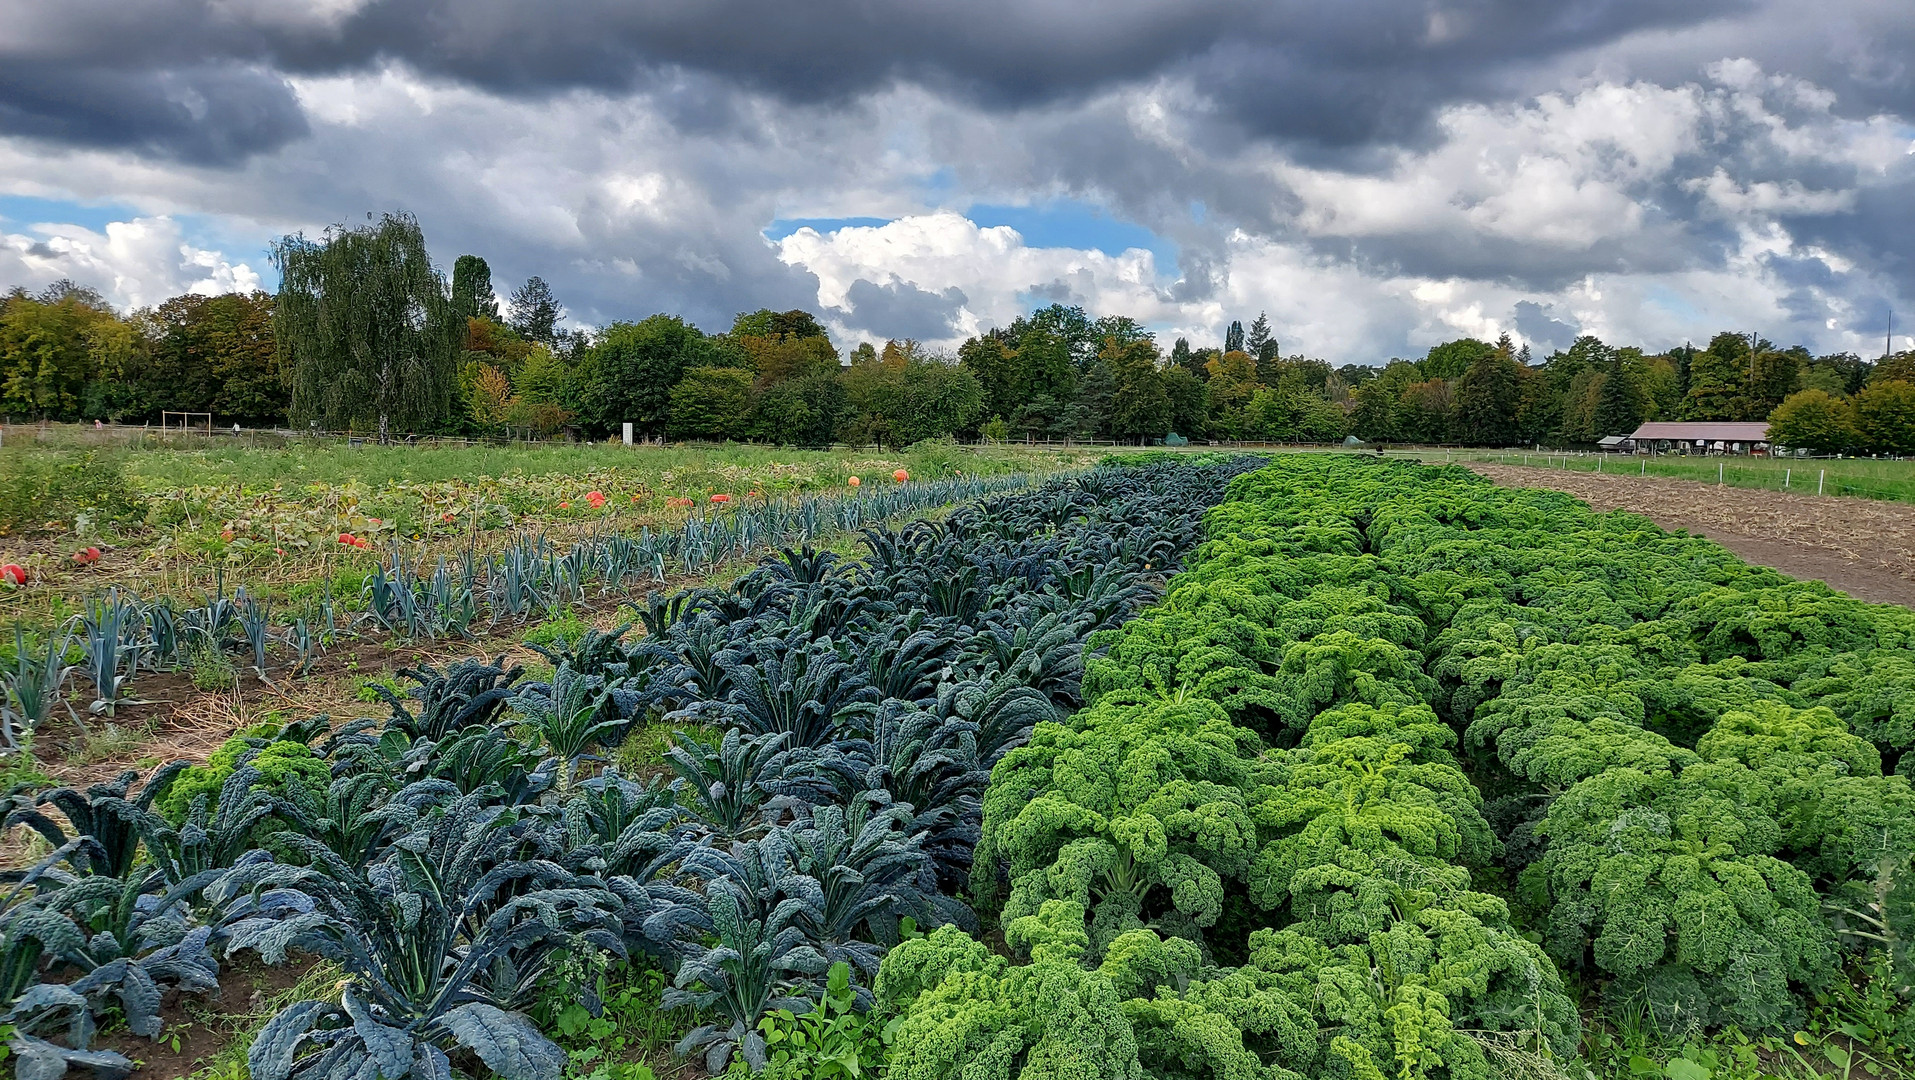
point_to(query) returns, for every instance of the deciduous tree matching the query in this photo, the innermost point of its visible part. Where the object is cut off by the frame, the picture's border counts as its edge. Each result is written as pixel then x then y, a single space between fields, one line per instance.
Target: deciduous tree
pixel 631 369
pixel 47 348
pixel 710 403
pixel 1139 408
pixel 1885 416
pixel 1813 419
pixel 363 322
pixel 1719 379
pixel 489 397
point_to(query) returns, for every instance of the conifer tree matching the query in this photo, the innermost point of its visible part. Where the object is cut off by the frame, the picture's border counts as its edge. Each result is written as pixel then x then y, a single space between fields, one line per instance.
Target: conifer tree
pixel 472 289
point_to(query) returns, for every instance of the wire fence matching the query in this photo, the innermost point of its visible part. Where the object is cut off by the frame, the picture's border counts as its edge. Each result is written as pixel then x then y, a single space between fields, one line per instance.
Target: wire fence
pixel 103 434
pixel 1796 476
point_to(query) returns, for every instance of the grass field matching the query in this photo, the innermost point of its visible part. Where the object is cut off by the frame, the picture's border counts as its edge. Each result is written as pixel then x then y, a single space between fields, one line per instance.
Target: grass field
pixel 1866 478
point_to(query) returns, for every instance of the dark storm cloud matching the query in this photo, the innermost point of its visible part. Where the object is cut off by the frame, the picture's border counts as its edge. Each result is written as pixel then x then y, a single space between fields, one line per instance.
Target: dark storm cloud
pixel 1544 330
pixel 654 274
pixel 1877 229
pixel 747 107
pixel 215 113
pixel 901 309
pixel 1344 75
pixel 1334 74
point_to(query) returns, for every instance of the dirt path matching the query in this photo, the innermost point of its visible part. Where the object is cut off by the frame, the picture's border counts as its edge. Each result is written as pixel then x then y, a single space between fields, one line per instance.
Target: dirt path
pixel 1863 547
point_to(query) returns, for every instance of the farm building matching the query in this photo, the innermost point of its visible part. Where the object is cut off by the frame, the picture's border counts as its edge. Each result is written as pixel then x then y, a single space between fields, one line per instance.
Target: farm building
pixel 1616 444
pixel 1703 437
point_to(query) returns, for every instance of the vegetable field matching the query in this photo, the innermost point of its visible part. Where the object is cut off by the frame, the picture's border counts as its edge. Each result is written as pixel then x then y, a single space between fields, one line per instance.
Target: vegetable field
pixel 1411 775
pixel 180 517
pixel 481 878
pixel 1405 776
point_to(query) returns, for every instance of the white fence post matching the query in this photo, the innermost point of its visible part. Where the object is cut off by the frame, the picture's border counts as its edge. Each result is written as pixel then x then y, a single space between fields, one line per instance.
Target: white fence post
pixel 1819 479
pixel 628 433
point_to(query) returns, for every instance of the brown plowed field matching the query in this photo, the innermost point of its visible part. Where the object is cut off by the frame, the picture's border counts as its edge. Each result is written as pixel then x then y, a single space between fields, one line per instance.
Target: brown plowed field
pixel 1863 547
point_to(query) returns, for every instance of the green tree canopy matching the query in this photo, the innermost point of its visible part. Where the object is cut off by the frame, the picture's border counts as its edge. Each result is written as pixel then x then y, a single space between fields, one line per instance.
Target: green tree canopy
pixel 48 347
pixel 1452 358
pixel 1139 408
pixel 534 311
pixel 805 411
pixel 234 335
pixel 1719 380
pixel 1259 342
pixel 906 396
pixel 1232 383
pixel 1071 326
pixel 777 325
pixel 1620 402
pixel 363 322
pixel 1813 419
pixel 710 403
pixel 1373 415
pixel 1885 416
pixel 1487 398
pixel 993 366
pixel 631 368
pixel 472 289
pixel 1774 375
pixel 1188 398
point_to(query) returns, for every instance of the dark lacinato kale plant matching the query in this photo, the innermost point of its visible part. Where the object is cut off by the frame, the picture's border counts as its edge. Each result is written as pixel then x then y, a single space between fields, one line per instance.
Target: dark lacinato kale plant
pixel 442 940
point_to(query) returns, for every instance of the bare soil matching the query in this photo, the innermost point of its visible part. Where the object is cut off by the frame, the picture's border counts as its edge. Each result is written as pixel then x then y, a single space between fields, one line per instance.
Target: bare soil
pixel 204 1027
pixel 1862 547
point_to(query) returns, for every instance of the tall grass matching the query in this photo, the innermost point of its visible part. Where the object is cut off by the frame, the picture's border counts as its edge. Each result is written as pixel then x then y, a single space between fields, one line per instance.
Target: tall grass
pixel 39 487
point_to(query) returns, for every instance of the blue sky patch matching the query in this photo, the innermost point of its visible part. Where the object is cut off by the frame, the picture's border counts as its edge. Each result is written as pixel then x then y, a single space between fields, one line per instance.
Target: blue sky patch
pixel 1672 302
pixel 237 240
pixel 19 211
pixel 1070 223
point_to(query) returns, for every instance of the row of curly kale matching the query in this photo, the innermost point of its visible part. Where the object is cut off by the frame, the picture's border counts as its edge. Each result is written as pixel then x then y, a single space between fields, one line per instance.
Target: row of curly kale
pixel 1684 754
pixel 1256 853
pixel 1214 904
pixel 447 858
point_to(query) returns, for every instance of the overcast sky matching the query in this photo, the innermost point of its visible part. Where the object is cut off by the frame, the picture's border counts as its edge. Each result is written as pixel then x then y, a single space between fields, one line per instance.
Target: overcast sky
pixel 1379 175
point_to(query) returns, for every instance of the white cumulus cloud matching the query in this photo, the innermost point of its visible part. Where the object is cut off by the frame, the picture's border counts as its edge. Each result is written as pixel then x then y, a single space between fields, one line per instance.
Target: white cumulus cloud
pixel 134 264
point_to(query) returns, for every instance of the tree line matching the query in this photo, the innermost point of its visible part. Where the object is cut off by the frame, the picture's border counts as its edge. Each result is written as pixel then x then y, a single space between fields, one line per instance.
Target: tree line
pixel 367 334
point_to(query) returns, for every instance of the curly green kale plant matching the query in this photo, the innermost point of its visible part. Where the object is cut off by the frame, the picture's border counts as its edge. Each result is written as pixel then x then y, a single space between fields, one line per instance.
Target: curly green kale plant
pixel 1135 810
pixel 964 1012
pixel 1355 824
pixel 1668 884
